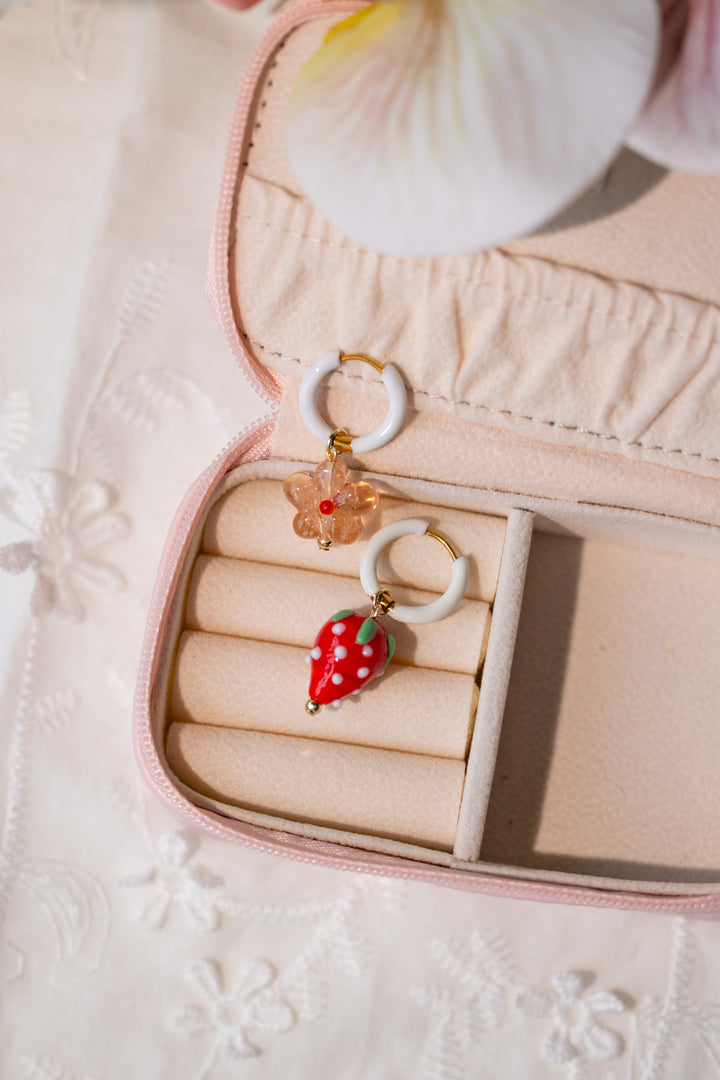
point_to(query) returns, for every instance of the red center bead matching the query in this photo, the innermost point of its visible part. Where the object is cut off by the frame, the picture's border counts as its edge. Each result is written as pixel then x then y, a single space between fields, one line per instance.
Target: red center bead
pixel 326 506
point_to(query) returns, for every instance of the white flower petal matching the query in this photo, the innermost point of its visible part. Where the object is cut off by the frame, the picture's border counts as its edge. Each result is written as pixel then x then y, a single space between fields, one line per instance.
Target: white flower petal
pixel 152 914
pixel 532 1002
pixel 236 1046
pixel 98 577
pixel 202 915
pixel 567 984
pixel 87 501
pixel 681 126
pixel 557 1048
pixel 252 977
pixel 65 601
pixel 206 975
pixel 17 557
pixel 41 495
pixel 428 128
pixel 271 1016
pixel 44 594
pixel 605 1001
pixel 173 850
pixel 190 1021
pixel 142 877
pixel 601 1043
pixel 102 530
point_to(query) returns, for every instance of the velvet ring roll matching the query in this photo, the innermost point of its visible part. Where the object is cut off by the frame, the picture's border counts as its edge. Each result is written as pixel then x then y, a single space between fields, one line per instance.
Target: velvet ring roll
pixel 286 605
pixel 262 686
pixel 411 797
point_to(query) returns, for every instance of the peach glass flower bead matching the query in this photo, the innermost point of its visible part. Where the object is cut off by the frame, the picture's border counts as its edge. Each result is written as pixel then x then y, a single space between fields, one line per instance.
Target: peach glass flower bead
pixel 330 506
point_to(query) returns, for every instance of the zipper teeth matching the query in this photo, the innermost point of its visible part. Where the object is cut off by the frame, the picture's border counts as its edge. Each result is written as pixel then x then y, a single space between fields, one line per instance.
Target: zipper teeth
pixel 263 381
pixel 256 436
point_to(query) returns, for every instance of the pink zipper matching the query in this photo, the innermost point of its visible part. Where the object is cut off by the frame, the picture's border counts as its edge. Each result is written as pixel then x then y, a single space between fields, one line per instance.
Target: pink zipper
pixel 267 384
pixel 254 444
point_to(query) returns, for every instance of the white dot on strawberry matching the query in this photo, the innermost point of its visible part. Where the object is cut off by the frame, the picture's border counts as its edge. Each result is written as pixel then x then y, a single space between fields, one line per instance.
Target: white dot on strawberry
pixel 367 650
pixel 337 678
pixel 340 652
pixel 316 653
pixel 338 628
pixel 363 672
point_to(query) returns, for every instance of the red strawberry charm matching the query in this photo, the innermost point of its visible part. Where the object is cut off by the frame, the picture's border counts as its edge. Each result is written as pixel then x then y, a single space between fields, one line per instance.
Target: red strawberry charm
pixel 349 652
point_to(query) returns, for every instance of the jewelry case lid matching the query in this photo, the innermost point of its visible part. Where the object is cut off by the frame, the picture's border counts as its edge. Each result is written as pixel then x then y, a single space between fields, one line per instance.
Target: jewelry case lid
pixel 600 334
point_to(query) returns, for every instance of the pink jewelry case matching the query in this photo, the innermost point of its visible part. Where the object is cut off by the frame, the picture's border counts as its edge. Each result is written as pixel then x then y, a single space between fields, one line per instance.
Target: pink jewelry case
pixel 556 738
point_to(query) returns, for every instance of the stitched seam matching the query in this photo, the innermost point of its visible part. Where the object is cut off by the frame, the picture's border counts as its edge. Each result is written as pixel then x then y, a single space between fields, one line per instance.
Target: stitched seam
pixel 686 334
pixel 516 416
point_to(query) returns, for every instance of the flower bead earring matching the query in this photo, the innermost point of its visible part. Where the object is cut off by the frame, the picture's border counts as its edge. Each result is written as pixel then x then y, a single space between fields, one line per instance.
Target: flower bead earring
pixel 351 648
pixel 330 505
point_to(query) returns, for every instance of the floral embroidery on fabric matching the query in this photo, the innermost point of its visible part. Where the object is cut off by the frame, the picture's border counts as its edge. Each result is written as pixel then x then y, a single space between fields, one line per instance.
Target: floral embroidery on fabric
pixel 78 912
pixel 40 1067
pixel 12 963
pixel 67 522
pixel 483 982
pixel 67 517
pixel 53 712
pixel 665 1023
pixel 190 888
pixel 15 425
pixel 574 1032
pixel 252 1004
pixel 481 970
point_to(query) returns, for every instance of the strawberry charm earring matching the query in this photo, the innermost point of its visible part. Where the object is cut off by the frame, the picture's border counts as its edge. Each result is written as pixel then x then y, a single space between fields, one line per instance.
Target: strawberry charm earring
pixel 351 648
pixel 330 505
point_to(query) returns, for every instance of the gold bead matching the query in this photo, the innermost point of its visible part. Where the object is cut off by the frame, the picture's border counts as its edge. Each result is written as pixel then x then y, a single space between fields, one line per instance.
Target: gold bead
pixel 324 545
pixel 312 707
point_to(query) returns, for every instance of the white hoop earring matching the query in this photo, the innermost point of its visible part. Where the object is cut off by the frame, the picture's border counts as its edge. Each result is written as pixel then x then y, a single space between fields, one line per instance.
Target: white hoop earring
pixel 330 506
pixel 407 613
pixel 394 417
pixel 352 648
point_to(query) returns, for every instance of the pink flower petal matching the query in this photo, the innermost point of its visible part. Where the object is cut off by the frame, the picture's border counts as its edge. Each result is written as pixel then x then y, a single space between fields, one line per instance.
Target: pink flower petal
pixel 681 126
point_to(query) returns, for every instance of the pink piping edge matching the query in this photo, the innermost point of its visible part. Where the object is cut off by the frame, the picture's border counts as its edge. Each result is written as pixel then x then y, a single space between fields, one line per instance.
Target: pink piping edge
pixel 254 444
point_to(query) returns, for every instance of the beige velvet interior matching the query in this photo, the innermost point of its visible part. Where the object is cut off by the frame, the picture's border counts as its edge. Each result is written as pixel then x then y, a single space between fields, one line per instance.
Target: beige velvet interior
pixel 391 762
pixel 609 749
pixel 606 748
pixel 568 386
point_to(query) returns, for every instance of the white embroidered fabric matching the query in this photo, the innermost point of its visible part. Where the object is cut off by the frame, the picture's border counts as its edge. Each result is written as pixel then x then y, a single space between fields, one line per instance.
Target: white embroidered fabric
pixel 131 949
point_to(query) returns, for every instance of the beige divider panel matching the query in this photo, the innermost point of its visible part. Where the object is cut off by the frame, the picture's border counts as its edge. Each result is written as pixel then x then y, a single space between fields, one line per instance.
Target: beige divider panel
pixel 496 677
pixel 411 797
